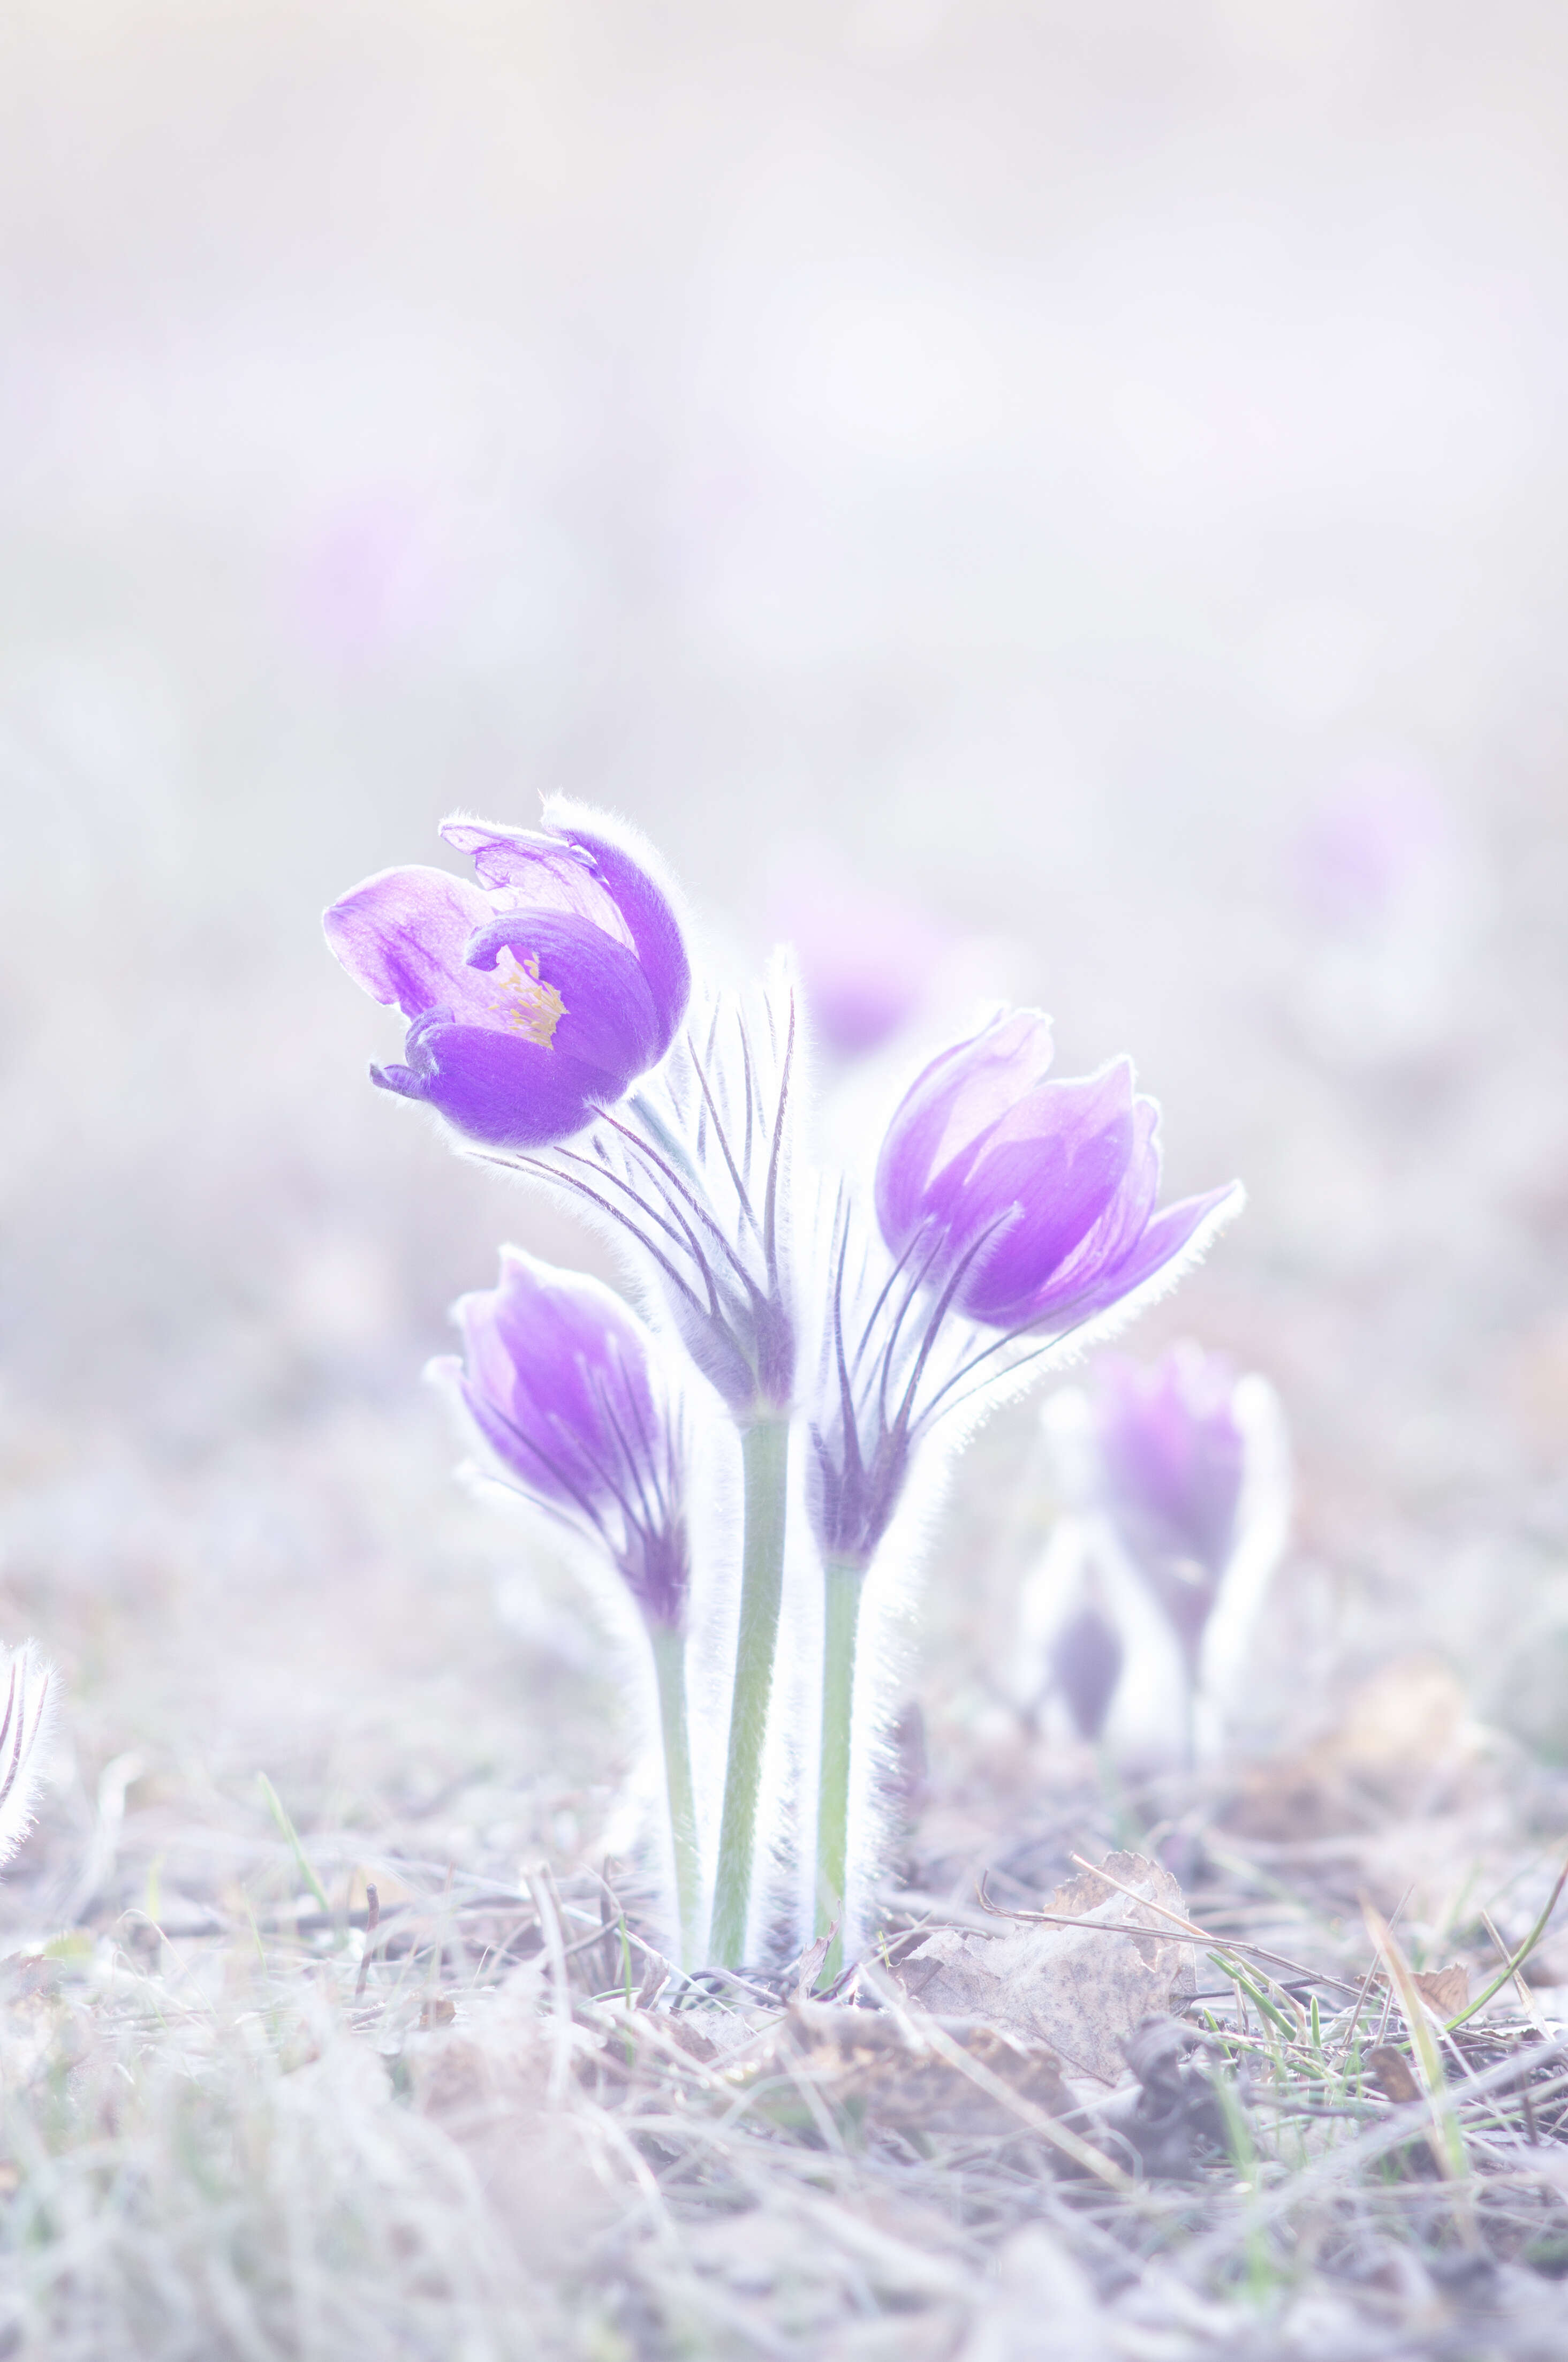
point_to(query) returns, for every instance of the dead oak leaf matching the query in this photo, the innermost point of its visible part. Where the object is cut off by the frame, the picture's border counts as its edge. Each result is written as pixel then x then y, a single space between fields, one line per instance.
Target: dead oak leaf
pixel 1081 1990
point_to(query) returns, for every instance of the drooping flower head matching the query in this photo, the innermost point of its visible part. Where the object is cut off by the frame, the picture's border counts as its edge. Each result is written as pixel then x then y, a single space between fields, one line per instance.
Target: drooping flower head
pixel 1171 1465
pixel 1032 1201
pixel 534 997
pixel 564 1386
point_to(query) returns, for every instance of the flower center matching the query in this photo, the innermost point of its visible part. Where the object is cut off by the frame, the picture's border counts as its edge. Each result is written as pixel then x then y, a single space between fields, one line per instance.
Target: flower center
pixel 526 1004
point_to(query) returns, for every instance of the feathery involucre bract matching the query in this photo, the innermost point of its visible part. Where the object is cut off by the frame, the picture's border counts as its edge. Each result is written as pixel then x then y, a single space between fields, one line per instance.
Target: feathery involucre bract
pixel 26 1690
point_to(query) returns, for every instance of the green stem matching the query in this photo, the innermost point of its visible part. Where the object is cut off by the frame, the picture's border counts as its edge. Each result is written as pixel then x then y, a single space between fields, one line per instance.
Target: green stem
pixel 841 1620
pixel 764 1457
pixel 669 1670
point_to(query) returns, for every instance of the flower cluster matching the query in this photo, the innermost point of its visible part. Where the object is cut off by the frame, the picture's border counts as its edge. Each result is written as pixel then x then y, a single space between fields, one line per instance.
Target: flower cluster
pixel 554 1026
pixel 1176 1470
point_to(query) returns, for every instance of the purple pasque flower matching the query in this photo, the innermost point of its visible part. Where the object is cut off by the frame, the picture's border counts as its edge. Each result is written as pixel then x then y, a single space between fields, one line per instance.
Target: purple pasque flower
pixel 1030 1202
pixel 1170 1468
pixel 534 997
pixel 564 1386
pixel 1007 1203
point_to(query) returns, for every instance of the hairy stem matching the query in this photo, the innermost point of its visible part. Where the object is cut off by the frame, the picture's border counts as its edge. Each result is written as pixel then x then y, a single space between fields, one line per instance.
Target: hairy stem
pixel 765 1456
pixel 840 1621
pixel 670 1671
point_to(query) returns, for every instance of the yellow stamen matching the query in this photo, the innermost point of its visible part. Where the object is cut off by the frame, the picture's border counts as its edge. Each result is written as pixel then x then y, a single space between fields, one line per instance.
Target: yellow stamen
pixel 529 1005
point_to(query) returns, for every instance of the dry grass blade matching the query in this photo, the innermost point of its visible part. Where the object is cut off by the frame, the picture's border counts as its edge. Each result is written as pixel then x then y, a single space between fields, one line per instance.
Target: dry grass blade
pixel 1446 2138
pixel 1516 1960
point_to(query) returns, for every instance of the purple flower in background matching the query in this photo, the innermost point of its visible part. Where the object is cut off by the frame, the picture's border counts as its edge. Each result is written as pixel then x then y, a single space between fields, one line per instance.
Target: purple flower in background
pixel 1029 1201
pixel 534 997
pixel 1171 1466
pixel 1373 842
pixel 1085 1665
pixel 561 1380
pixel 366 581
pixel 866 956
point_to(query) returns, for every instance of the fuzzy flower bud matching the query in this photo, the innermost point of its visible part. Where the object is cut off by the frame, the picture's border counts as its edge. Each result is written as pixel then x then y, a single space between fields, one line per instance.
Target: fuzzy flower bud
pixel 1171 1458
pixel 562 1383
pixel 1030 1202
pixel 534 997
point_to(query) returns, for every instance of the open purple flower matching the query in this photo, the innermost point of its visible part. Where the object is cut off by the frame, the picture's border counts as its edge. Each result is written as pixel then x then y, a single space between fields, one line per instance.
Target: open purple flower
pixel 1029 1201
pixel 561 1380
pixel 535 996
pixel 1171 1469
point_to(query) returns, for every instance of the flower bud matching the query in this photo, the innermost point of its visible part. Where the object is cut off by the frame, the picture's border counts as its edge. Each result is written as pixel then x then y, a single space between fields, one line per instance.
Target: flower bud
pixel 563 1385
pixel 1030 1202
pixel 1170 1466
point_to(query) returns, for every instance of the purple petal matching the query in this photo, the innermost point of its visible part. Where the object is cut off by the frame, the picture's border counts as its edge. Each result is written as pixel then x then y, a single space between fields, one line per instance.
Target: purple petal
pixel 557 1376
pixel 545 871
pixel 952 1103
pixel 590 875
pixel 554 1378
pixel 656 933
pixel 401 934
pixel 1045 1287
pixel 499 1088
pixel 1063 1160
pixel 1174 1462
pixel 1165 1241
pixel 568 987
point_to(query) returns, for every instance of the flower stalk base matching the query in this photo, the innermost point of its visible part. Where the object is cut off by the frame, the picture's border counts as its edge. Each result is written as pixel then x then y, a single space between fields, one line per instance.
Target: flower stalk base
pixel 670 1671
pixel 841 1622
pixel 764 1457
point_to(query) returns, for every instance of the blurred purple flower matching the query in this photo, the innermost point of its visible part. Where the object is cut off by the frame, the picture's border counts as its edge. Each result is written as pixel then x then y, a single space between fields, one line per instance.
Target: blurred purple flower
pixel 1170 1466
pixel 561 1381
pixel 534 997
pixel 1029 1201
pixel 1368 845
pixel 365 582
pixel 1085 1665
pixel 865 957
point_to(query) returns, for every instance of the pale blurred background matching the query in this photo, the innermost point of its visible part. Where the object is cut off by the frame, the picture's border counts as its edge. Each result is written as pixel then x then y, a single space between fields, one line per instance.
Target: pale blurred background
pixel 1091 470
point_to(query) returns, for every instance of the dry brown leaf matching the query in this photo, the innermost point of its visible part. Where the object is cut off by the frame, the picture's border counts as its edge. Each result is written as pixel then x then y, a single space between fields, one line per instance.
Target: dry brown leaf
pixel 1446 1990
pixel 1390 2070
pixel 933 2095
pixel 863 2060
pixel 1082 1990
